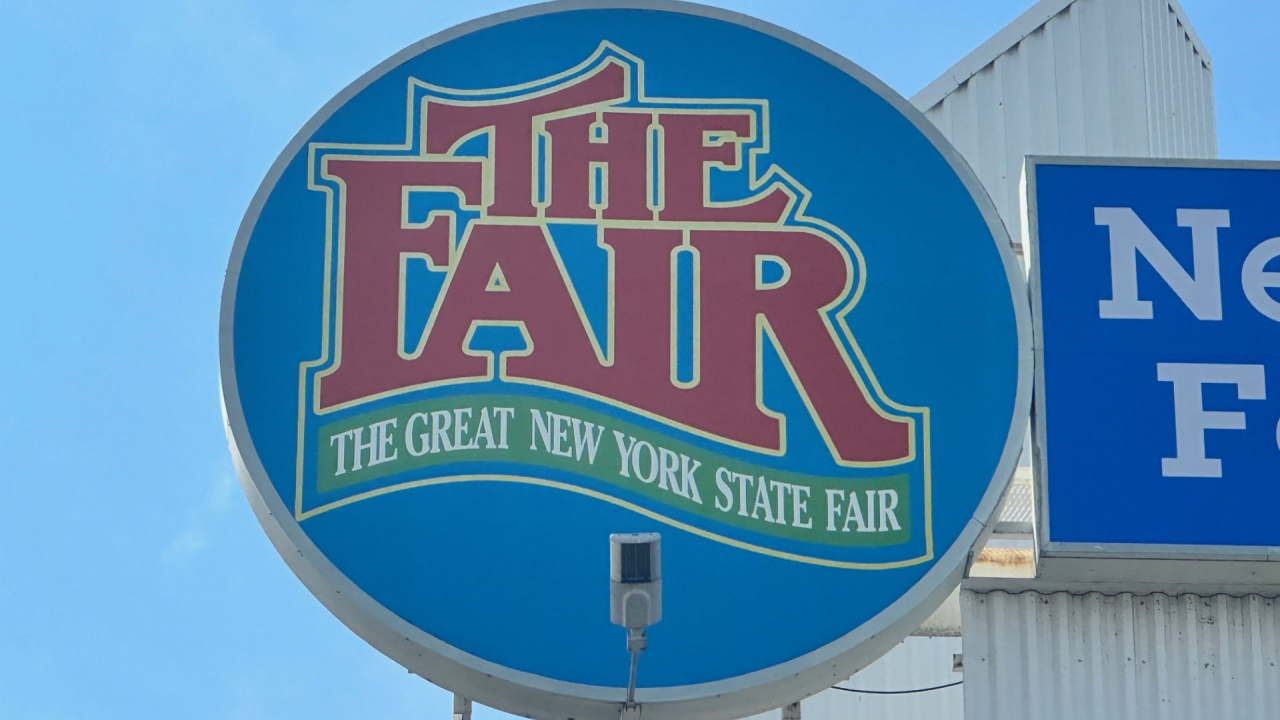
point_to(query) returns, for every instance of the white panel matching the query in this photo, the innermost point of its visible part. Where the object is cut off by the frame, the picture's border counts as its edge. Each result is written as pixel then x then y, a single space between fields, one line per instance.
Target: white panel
pixel 1179 84
pixel 1172 70
pixel 987 91
pixel 1017 130
pixel 918 662
pixel 1076 77
pixel 1158 102
pixel 964 126
pixel 1123 657
pixel 1044 119
pixel 1208 111
pixel 1070 82
pixel 1096 72
pixel 1125 69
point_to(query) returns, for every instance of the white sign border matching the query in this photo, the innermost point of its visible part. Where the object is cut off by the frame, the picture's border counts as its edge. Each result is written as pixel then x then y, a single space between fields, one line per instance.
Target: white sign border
pixel 1048 548
pixel 539 697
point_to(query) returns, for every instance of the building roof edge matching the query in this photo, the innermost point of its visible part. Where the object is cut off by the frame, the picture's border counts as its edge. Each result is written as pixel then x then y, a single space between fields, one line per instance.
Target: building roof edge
pixel 1009 36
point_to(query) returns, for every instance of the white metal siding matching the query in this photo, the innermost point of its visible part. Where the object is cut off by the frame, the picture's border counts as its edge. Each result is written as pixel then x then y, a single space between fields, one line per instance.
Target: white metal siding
pixel 1078 77
pixel 917 662
pixel 1098 77
pixel 1181 120
pixel 1123 657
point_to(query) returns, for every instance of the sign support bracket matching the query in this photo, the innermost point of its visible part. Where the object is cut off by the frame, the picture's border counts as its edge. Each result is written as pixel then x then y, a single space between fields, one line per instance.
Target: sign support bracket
pixel 461 707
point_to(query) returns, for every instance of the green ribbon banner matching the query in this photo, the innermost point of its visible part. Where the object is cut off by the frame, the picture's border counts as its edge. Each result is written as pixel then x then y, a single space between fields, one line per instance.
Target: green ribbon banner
pixel 840 511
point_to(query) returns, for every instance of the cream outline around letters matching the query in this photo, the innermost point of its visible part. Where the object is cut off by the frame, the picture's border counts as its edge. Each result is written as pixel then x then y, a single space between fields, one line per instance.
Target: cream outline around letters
pixel 774 179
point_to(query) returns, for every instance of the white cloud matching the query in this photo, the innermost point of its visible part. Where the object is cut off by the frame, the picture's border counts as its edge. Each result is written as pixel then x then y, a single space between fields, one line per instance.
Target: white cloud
pixel 187 544
pixel 194 537
pixel 224 488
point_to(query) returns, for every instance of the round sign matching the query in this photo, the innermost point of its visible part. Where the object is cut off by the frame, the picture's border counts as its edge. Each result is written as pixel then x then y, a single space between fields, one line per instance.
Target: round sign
pixel 576 270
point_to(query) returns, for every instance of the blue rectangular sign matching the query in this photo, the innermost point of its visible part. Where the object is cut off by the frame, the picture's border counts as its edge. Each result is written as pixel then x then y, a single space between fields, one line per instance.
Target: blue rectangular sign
pixel 1156 293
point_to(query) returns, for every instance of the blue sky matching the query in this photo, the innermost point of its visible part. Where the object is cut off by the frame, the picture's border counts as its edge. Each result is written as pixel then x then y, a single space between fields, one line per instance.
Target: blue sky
pixel 134 581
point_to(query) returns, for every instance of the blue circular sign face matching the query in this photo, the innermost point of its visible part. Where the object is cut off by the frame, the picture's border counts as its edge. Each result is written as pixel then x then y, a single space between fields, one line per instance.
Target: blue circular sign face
pixel 571 271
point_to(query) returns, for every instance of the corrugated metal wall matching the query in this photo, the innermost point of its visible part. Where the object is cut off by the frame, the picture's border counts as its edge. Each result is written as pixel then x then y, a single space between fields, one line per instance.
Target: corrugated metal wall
pixel 1099 77
pixel 1123 657
pixel 1179 86
pixel 917 662
pixel 1103 78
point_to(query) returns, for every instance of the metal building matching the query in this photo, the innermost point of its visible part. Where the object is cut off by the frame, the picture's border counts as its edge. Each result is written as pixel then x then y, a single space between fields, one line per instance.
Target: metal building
pixel 1103 78
pixel 928 659
pixel 1119 657
pixel 917 662
pixel 1077 77
pixel 1073 77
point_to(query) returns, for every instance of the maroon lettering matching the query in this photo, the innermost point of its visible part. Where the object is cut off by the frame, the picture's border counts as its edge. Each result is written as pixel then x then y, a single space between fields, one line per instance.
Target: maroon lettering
pixel 737 311
pixel 794 311
pixel 622 147
pixel 369 302
pixel 687 152
pixel 512 124
pixel 537 297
